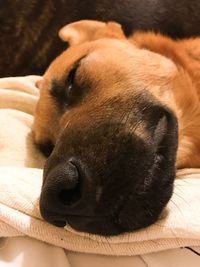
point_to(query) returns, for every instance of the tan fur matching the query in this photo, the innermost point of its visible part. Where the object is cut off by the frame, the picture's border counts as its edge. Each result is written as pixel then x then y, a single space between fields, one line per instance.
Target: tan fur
pixel 77 32
pixel 186 55
pixel 169 69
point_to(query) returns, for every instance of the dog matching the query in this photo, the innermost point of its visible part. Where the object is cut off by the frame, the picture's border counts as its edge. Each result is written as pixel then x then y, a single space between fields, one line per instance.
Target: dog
pixel 121 114
pixel 29 40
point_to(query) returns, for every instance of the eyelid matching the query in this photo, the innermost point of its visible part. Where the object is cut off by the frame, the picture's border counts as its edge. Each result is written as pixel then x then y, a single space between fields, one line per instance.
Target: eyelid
pixel 72 73
pixel 73 69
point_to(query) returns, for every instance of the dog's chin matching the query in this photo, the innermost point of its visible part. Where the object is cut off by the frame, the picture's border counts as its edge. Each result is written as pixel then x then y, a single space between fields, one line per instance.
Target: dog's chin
pixel 98 226
pixel 134 215
pixel 139 211
pixel 108 226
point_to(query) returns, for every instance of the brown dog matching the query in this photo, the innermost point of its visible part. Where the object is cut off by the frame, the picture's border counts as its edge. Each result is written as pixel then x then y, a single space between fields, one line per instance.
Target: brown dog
pixel 110 106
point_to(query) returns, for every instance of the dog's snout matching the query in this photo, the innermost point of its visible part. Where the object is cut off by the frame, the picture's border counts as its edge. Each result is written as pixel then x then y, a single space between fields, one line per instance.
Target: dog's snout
pixel 112 173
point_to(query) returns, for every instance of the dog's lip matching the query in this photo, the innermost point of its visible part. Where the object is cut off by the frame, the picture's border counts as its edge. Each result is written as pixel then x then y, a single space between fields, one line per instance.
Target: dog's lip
pixel 73 216
pixel 61 222
pixel 58 223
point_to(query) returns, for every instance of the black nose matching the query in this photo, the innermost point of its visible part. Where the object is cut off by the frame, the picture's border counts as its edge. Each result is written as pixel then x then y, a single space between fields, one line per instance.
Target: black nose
pixel 63 190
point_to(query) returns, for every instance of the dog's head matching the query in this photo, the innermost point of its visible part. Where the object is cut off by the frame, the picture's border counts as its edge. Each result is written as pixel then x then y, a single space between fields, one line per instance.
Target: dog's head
pixel 113 163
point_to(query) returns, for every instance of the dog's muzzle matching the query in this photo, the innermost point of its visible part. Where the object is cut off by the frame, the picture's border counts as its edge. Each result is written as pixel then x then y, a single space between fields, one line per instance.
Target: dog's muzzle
pixel 120 185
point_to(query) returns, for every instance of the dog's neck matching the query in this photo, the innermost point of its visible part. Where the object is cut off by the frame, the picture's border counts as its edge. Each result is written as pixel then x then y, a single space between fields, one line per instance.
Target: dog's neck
pixel 187 109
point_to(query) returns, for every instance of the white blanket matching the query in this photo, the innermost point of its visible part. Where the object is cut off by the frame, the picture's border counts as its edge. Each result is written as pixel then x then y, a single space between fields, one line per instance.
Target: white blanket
pixel 21 178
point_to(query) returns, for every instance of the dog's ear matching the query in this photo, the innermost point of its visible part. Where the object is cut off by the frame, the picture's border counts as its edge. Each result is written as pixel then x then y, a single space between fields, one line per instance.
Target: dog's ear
pixel 89 30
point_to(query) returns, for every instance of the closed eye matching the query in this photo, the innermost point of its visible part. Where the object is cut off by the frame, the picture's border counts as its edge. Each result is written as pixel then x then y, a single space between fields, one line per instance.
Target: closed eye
pixel 65 92
pixel 72 74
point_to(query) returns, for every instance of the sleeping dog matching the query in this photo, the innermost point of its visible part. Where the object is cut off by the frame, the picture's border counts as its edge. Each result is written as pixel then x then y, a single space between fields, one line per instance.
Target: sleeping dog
pixel 28 29
pixel 122 114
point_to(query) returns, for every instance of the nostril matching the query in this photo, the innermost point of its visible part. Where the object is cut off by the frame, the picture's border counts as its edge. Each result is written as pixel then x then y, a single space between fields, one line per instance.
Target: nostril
pixel 62 189
pixel 71 193
pixel 70 196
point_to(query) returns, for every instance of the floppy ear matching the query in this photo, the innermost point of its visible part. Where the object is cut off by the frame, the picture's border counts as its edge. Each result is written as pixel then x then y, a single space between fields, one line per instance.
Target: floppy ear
pixel 89 30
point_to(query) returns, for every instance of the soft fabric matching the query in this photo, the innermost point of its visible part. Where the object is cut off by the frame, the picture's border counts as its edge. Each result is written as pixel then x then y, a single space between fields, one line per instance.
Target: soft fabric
pixel 21 178
pixel 29 252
